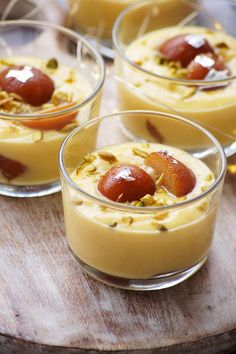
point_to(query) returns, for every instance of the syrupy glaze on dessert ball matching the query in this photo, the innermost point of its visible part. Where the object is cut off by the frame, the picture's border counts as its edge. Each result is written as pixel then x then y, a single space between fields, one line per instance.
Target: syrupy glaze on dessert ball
pixel 189 53
pixel 133 244
pixel 97 17
pixel 29 146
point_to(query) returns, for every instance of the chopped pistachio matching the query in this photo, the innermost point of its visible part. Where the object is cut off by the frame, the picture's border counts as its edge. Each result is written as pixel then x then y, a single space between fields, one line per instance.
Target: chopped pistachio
pixel 160 203
pixel 172 87
pixel 161 61
pixel 138 62
pixel 203 207
pixel 181 199
pixel 103 208
pixel 15 96
pixel 148 200
pixel 47 106
pixel 174 64
pixel 222 45
pixel 209 178
pixel 146 145
pixel 140 153
pixel 6 100
pixel 71 77
pixel 137 203
pixel 160 180
pixel 90 158
pixel 77 202
pixel 161 216
pixel 37 135
pixel 60 97
pixel 7 131
pixel 91 169
pixel 189 92
pixel 5 62
pixel 162 228
pixel 52 63
pixel 16 104
pixel 209 31
pixel 127 220
pixel 181 73
pixel 4 94
pixel 159 227
pixel 81 167
pixel 113 224
pixel 204 188
pixel 137 84
pixel 227 54
pixel 107 156
pixel 143 42
pixel 162 191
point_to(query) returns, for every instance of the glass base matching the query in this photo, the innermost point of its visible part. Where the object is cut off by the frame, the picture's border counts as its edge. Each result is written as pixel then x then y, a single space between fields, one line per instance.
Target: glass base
pixel 155 283
pixel 30 191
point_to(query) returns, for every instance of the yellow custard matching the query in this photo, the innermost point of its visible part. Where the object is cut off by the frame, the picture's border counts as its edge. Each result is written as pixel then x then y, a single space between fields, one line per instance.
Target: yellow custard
pixel 214 108
pixel 37 149
pixel 97 17
pixel 133 244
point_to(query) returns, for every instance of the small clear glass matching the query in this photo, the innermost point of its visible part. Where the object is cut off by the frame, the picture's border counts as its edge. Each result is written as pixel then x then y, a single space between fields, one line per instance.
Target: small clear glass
pixel 128 257
pixel 140 88
pixel 95 19
pixel 29 142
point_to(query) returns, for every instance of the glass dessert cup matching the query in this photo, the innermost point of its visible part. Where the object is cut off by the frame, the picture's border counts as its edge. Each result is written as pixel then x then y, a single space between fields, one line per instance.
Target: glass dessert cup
pixel 144 82
pixel 31 134
pixel 96 18
pixel 138 246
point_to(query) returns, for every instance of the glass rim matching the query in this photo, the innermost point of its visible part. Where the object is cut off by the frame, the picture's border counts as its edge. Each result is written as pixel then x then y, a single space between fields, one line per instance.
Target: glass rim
pixel 77 37
pixel 135 209
pixel 119 49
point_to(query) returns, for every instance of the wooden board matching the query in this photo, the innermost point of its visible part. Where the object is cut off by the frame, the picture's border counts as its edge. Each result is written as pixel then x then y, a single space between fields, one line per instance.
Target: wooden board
pixel 45 299
pixel 47 303
pixel 48 306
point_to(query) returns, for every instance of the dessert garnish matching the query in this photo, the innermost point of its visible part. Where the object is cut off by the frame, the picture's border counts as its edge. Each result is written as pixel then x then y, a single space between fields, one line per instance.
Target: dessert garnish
pixel 198 59
pixel 185 47
pixel 10 168
pixel 177 178
pixel 35 87
pixel 126 183
pixel 52 63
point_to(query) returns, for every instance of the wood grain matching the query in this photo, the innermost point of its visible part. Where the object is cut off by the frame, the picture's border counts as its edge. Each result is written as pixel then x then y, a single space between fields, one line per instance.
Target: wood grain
pixel 48 306
pixel 45 299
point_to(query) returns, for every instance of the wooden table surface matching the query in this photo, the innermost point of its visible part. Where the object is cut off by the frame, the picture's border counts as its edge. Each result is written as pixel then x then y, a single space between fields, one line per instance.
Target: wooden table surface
pixel 48 306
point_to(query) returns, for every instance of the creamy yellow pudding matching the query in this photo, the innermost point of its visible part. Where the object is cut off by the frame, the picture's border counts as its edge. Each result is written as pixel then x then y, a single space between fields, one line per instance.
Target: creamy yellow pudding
pixel 131 244
pixel 29 147
pixel 97 17
pixel 214 107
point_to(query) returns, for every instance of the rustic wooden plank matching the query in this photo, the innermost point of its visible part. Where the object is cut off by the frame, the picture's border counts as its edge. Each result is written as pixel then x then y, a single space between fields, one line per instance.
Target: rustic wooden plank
pixel 48 306
pixel 44 297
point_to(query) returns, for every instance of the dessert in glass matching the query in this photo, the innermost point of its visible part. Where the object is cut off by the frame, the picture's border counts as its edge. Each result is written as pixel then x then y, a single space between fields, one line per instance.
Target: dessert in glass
pixel 139 214
pixel 96 18
pixel 188 69
pixel 45 92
